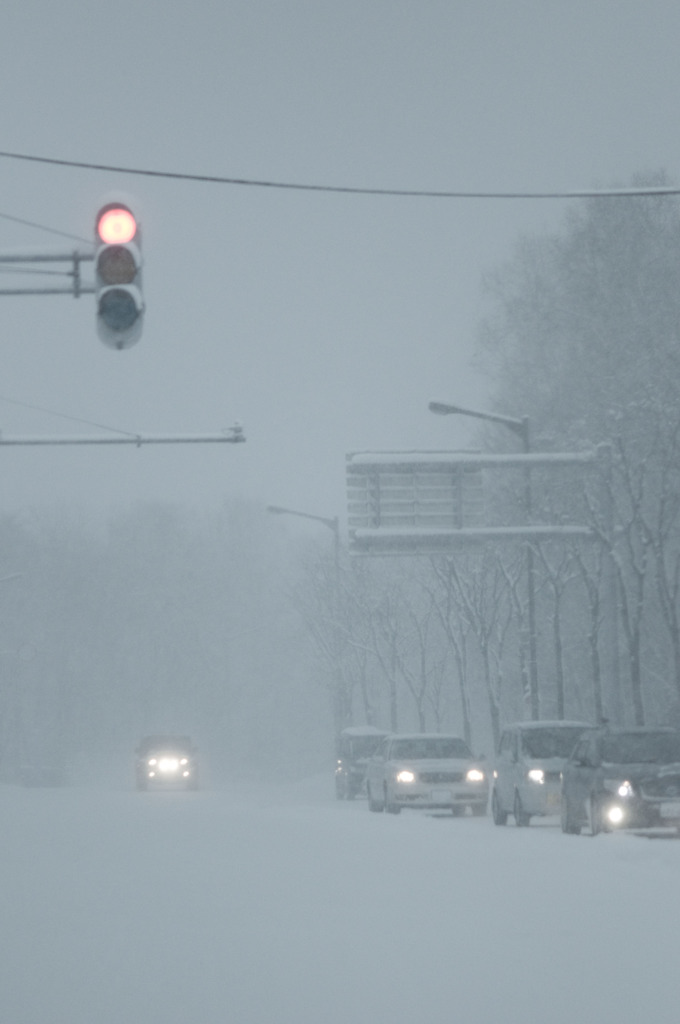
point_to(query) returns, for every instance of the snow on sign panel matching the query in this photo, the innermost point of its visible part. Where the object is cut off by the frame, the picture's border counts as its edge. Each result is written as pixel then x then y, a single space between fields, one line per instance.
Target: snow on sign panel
pixel 427 502
pixel 413 491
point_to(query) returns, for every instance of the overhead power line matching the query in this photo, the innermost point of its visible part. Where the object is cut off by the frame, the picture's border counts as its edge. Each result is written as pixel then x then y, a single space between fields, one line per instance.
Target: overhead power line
pixel 65 416
pixel 348 189
pixel 43 227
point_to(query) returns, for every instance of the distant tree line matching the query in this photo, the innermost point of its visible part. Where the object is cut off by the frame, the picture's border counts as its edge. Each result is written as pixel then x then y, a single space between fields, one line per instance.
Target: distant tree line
pixel 161 620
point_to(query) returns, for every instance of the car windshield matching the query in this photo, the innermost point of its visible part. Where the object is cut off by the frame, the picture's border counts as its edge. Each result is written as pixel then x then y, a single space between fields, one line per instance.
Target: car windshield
pixel 641 747
pixel 544 743
pixel 154 744
pixel 426 747
pixel 363 746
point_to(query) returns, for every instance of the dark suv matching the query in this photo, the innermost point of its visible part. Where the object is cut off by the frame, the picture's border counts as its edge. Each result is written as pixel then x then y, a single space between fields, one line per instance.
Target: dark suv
pixel 622 778
pixel 166 761
pixel 355 745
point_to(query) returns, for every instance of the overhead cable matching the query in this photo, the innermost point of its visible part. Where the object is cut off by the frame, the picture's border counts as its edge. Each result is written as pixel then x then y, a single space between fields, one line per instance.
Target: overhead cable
pixel 348 189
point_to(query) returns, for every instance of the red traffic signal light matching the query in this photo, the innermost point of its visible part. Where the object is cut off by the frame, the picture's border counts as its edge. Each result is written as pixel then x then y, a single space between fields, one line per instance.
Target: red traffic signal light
pixel 118 276
pixel 116 224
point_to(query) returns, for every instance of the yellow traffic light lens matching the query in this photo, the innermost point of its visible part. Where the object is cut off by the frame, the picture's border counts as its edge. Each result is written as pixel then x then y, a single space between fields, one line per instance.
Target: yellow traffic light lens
pixel 116 265
pixel 116 225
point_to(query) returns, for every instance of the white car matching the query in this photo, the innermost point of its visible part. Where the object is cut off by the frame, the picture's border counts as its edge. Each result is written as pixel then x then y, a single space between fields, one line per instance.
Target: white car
pixel 528 769
pixel 429 770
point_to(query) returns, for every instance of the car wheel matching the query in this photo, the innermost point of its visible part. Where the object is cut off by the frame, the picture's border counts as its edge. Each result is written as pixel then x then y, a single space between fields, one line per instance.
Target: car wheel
pixel 390 807
pixel 566 820
pixel 522 819
pixel 373 805
pixel 500 817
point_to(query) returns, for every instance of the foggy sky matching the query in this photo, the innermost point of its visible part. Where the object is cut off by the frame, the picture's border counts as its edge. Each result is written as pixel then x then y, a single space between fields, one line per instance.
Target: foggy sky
pixel 323 322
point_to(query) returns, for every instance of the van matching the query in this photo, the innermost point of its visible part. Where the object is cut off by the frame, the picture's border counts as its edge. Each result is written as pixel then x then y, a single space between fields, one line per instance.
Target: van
pixel 528 767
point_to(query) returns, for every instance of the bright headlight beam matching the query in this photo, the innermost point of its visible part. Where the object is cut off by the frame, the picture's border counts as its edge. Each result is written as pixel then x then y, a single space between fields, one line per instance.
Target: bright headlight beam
pixel 405 776
pixel 475 775
pixel 536 775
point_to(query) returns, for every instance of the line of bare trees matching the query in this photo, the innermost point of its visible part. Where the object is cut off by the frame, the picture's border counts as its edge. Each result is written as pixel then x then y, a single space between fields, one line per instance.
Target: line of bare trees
pixel 582 336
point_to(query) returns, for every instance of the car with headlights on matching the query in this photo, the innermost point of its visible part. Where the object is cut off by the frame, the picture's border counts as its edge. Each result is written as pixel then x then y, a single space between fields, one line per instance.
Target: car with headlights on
pixel 355 746
pixel 166 762
pixel 528 768
pixel 622 778
pixel 426 770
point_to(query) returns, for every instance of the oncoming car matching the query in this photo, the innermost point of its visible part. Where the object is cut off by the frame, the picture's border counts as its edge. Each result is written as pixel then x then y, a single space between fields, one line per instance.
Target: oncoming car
pixel 166 761
pixel 622 778
pixel 428 770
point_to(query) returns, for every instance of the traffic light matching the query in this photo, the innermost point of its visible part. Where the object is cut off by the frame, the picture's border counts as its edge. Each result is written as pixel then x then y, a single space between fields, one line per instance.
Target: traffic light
pixel 118 276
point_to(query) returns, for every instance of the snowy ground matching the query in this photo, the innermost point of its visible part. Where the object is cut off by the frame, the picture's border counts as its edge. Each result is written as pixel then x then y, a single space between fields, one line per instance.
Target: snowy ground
pixel 259 905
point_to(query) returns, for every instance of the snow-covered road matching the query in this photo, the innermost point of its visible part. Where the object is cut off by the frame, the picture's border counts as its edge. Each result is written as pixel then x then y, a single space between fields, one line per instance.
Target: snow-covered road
pixel 277 905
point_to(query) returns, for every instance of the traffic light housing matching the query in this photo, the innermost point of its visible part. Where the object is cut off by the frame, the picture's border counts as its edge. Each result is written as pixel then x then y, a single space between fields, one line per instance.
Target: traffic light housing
pixel 118 276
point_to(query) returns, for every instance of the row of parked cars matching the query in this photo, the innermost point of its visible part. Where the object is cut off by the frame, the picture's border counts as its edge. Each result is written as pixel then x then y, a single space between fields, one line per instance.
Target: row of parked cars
pixel 600 778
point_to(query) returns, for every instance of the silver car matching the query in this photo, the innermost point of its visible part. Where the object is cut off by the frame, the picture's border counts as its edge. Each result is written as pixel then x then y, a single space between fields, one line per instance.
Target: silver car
pixel 426 770
pixel 529 762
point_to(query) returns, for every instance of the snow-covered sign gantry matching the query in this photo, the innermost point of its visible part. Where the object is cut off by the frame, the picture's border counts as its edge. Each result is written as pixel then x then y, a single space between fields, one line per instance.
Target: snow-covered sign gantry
pixel 417 502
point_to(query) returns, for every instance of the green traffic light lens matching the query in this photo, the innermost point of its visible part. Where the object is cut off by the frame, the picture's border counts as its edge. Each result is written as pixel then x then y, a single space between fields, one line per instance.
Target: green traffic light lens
pixel 118 309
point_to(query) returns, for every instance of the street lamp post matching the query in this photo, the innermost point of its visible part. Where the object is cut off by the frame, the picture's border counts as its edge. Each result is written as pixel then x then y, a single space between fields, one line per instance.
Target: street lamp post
pixel 332 524
pixel 520 427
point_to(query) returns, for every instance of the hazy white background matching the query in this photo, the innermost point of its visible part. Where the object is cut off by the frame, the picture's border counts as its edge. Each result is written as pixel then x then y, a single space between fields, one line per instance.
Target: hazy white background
pixel 323 322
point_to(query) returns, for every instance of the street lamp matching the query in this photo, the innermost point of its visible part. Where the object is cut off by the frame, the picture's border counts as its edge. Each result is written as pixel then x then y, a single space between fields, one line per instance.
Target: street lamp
pixel 522 429
pixel 333 525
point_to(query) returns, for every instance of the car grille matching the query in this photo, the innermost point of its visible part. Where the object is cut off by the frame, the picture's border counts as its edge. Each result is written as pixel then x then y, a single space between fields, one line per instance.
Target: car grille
pixel 661 787
pixel 436 777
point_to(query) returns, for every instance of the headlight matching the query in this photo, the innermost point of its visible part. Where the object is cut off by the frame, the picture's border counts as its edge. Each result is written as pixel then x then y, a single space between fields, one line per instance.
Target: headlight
pixel 406 776
pixel 536 775
pixel 614 814
pixel 620 787
pixel 474 775
pixel 168 764
pixel 152 762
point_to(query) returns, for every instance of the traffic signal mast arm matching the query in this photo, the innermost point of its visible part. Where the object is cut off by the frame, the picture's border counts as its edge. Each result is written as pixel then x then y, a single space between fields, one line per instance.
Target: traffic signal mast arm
pixel 75 257
pixel 230 435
